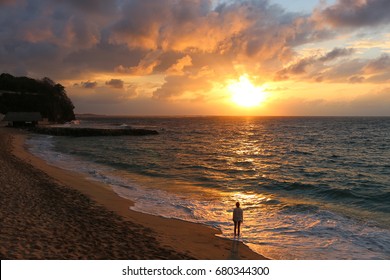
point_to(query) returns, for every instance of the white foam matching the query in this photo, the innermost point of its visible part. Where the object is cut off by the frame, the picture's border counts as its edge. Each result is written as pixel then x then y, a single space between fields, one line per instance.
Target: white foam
pixel 315 234
pixel 147 200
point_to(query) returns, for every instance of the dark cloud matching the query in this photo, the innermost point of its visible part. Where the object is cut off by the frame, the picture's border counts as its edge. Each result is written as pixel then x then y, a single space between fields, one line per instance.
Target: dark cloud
pixel 115 83
pixel 37 35
pixel 4 2
pixel 344 71
pixel 315 68
pixel 376 70
pixel 357 13
pixel 380 64
pixel 95 6
pixel 110 56
pixel 300 67
pixel 35 59
pixel 142 37
pixel 335 53
pixel 89 85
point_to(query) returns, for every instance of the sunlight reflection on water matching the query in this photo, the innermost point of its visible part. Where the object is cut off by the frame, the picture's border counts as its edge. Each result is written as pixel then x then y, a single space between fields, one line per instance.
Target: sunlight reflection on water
pixel 311 188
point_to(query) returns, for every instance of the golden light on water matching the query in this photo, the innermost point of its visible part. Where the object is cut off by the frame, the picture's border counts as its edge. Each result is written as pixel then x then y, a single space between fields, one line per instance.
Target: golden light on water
pixel 245 94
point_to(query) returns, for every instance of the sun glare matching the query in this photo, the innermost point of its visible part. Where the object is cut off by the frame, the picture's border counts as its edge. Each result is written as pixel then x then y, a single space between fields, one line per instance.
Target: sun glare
pixel 245 94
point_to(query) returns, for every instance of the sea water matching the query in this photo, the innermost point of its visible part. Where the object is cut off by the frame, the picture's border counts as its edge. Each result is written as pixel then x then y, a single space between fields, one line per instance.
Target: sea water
pixel 310 188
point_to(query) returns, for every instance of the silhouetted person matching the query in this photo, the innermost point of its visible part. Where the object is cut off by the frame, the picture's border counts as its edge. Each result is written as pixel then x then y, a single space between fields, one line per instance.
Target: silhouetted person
pixel 238 218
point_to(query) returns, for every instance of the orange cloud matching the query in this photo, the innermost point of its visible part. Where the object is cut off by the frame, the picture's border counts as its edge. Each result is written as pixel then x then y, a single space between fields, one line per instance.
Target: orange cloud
pixel 190 49
pixel 177 69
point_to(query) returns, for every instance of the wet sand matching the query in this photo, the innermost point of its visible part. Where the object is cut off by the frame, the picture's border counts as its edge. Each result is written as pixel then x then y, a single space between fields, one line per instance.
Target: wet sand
pixel 50 213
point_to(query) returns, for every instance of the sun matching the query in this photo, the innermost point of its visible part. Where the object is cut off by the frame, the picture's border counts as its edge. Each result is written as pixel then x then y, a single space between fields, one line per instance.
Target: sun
pixel 245 94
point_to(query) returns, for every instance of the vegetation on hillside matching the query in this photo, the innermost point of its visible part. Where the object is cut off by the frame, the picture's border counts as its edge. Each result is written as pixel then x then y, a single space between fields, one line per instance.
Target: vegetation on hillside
pixel 23 94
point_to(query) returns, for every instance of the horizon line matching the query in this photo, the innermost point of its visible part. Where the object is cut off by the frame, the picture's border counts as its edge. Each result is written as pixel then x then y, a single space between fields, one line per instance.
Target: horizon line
pixel 257 116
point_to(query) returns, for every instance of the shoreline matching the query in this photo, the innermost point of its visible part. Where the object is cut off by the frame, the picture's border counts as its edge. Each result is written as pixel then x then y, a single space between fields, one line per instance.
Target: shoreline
pixel 188 240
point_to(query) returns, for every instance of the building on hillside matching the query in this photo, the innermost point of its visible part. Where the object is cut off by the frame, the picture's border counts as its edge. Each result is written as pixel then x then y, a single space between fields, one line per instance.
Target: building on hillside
pixel 18 119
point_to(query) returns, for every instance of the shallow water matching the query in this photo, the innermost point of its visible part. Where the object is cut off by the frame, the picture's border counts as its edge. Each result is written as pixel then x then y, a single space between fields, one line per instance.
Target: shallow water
pixel 311 188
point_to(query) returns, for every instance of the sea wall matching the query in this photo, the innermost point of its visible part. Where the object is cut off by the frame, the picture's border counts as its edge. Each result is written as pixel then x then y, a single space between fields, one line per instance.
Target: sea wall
pixel 84 132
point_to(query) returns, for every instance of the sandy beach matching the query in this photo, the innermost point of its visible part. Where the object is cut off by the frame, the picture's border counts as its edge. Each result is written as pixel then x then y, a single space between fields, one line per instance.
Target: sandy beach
pixel 51 213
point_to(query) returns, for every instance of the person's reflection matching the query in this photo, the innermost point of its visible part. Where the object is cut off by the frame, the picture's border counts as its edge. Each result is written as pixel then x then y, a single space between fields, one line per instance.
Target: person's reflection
pixel 234 255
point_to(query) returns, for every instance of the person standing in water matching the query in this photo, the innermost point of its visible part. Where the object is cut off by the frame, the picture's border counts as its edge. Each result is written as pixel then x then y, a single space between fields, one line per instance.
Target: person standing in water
pixel 238 218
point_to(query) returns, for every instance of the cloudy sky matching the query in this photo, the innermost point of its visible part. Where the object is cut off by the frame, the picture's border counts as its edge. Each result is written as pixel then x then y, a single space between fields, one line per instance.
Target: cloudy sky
pixel 205 57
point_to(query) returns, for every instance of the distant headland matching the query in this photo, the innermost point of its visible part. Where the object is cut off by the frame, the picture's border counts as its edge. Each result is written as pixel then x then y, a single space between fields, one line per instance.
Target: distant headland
pixel 26 102
pixel 24 94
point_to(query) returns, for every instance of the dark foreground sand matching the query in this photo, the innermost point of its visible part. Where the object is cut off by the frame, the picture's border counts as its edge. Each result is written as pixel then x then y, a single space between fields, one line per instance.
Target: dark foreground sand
pixel 50 213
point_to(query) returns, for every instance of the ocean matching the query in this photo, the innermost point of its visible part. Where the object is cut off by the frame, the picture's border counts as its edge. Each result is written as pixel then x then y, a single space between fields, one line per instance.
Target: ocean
pixel 310 187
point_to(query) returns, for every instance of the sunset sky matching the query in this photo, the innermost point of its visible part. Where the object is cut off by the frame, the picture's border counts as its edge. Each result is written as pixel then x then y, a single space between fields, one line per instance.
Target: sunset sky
pixel 205 57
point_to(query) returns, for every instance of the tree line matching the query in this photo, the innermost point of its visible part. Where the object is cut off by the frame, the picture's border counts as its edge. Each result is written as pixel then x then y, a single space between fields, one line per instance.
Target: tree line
pixel 24 94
